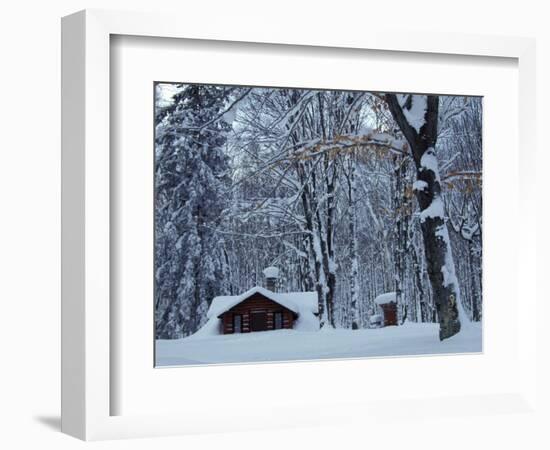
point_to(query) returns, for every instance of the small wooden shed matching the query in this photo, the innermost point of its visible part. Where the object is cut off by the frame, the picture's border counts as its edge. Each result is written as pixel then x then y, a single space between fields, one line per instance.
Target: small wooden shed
pixel 388 305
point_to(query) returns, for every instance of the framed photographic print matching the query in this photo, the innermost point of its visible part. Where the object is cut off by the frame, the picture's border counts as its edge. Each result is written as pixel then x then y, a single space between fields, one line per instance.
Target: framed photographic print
pixel 299 224
pixel 290 210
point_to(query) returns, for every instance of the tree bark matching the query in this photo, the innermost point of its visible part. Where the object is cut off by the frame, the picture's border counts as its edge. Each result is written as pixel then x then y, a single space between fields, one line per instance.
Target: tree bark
pixel 354 276
pixel 434 229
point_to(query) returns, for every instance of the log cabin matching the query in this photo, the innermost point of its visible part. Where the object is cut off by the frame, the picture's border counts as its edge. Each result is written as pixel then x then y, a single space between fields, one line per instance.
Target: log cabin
pixel 260 309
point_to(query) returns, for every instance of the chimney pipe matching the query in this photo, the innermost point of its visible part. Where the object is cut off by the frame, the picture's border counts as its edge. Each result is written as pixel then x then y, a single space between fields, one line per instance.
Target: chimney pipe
pixel 271 276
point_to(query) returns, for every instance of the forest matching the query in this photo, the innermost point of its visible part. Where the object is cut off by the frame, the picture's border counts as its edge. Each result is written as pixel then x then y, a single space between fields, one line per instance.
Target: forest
pixel 351 194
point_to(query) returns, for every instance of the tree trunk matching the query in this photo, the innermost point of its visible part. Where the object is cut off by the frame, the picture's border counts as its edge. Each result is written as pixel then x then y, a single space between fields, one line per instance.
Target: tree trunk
pixel 419 288
pixel 472 276
pixel 315 251
pixel 422 139
pixel 354 277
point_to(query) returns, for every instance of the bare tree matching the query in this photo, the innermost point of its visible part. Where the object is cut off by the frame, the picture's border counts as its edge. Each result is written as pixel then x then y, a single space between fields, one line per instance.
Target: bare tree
pixel 417 118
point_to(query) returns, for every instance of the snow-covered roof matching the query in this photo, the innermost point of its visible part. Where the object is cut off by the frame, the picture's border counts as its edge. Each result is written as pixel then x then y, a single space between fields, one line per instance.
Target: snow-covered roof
pixel 298 302
pixel 388 297
pixel 271 272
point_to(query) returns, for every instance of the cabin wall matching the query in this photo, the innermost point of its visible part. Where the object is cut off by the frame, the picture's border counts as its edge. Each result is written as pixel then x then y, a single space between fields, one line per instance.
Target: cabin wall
pixel 256 303
pixel 390 313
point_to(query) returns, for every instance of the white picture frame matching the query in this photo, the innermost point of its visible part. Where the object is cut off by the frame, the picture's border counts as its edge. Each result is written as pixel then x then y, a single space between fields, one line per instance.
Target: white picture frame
pixel 87 385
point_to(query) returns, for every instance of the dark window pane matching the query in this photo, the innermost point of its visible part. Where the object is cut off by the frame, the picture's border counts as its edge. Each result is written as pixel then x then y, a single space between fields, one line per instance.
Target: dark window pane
pixel 237 324
pixel 278 321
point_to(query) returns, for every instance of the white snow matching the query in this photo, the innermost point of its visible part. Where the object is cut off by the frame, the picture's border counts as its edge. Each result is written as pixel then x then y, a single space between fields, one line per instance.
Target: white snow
pixel 382 138
pixel 288 345
pixel 271 272
pixel 165 93
pixel 449 277
pixel 297 302
pixel 211 328
pixel 448 269
pixel 429 162
pixel 307 320
pixel 298 252
pixel 416 114
pixel 434 210
pixel 388 297
pixel 229 116
pixel 375 318
pixel 419 185
pixel 449 274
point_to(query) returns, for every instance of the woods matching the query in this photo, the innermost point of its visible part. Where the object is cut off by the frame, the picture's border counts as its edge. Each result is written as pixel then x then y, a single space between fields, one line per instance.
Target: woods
pixel 349 194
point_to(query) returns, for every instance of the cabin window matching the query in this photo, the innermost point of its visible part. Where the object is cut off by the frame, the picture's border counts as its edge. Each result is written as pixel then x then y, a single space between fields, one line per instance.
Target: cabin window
pixel 237 323
pixel 278 320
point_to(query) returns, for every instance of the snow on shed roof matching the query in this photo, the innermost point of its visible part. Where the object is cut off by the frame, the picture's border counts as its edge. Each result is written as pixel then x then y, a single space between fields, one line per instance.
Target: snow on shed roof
pixel 388 297
pixel 298 302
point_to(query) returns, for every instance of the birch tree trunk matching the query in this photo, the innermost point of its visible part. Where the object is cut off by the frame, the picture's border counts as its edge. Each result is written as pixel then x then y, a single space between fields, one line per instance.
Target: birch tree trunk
pixel 417 116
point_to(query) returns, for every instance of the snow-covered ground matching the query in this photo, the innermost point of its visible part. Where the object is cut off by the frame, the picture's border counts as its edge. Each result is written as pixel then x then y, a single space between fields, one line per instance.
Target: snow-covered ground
pixel 291 345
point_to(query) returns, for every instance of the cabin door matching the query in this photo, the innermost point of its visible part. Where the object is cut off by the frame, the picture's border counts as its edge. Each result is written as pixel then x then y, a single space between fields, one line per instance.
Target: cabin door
pixel 258 321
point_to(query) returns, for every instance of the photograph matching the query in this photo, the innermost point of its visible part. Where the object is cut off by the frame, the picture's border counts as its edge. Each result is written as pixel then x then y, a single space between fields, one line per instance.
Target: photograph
pixel 296 224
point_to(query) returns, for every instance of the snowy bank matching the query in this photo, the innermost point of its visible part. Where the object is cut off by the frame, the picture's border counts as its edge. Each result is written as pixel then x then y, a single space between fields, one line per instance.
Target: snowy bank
pixel 290 345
